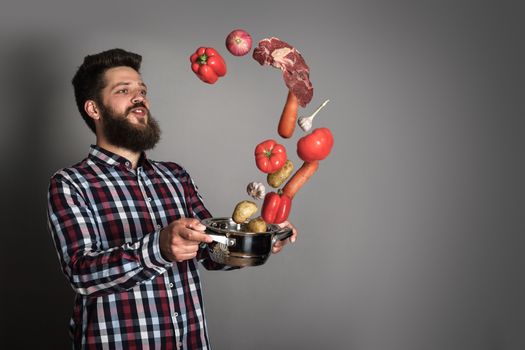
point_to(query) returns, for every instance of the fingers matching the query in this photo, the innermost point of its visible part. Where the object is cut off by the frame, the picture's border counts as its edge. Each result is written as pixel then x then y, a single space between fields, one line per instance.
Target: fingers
pixel 187 254
pixel 193 235
pixel 194 224
pixel 192 230
pixel 180 240
pixel 182 249
pixel 278 246
pixel 293 237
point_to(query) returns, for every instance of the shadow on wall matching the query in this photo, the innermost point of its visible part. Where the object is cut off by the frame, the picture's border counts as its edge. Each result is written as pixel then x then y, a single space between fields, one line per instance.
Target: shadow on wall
pixel 36 300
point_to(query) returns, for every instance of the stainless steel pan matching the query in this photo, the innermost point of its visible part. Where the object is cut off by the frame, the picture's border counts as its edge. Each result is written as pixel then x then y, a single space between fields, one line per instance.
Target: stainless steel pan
pixel 233 245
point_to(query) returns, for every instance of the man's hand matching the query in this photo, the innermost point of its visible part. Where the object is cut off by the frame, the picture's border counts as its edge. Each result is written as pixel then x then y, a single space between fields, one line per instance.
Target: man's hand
pixel 180 240
pixel 278 246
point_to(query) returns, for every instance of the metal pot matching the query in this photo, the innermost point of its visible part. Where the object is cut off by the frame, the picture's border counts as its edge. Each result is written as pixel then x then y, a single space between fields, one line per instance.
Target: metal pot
pixel 233 246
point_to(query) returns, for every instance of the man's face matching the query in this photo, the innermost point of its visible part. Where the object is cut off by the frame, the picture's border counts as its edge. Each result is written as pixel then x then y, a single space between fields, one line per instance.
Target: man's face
pixel 125 115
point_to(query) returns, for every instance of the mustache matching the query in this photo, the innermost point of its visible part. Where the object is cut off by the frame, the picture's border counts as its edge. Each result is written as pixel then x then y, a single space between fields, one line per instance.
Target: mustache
pixel 137 105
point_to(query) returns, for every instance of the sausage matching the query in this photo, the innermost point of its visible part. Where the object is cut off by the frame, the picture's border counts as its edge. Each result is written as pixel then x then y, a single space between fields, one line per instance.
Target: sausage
pixel 299 178
pixel 288 116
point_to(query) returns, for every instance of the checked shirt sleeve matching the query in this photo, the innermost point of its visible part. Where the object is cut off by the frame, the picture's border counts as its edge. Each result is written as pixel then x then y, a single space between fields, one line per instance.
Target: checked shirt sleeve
pixel 90 269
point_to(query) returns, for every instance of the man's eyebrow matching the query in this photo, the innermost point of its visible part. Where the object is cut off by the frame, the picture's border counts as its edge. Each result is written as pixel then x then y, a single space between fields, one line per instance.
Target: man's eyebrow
pixel 126 83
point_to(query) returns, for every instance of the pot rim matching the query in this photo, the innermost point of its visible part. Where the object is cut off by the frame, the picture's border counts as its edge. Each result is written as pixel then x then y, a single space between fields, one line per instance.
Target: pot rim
pixel 271 228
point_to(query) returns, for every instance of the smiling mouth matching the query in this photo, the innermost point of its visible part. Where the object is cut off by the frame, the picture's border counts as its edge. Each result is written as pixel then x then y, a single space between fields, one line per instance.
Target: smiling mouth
pixel 140 113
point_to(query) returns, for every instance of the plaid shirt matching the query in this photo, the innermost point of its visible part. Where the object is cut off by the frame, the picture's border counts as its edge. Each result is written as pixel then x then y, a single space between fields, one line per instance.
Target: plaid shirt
pixel 105 219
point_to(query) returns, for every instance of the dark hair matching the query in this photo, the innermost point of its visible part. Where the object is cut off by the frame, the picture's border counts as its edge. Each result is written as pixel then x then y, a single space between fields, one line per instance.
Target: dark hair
pixel 88 81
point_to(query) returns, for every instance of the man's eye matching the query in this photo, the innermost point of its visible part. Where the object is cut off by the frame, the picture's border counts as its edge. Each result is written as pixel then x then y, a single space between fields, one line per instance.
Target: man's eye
pixel 122 91
pixel 143 92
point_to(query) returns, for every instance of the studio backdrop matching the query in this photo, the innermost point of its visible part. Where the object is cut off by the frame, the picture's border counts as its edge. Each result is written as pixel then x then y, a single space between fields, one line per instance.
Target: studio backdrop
pixel 410 232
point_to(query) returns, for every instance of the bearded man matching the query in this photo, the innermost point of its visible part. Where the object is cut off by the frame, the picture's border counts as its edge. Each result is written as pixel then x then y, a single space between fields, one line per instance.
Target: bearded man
pixel 127 228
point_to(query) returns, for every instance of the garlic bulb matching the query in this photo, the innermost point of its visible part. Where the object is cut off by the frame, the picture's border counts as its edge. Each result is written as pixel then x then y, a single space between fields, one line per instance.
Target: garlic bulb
pixel 256 190
pixel 306 122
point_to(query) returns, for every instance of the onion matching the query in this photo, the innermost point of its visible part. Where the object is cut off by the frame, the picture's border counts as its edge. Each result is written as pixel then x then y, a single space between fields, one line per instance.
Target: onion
pixel 239 42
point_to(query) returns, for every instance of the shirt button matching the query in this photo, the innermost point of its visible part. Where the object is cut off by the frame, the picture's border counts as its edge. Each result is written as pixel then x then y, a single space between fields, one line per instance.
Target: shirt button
pixel 176 314
pixel 171 285
pixel 167 266
pixel 158 227
pixel 127 163
pixel 149 199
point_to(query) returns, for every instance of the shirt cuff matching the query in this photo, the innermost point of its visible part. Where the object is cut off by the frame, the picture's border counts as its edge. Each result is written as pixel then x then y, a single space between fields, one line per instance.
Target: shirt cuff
pixel 150 253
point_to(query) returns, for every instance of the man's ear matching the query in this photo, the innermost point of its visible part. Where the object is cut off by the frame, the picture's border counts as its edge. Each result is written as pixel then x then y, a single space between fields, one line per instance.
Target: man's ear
pixel 91 109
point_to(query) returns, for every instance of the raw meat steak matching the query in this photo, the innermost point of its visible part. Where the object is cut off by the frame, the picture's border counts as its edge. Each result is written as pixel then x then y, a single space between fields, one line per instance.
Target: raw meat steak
pixel 296 74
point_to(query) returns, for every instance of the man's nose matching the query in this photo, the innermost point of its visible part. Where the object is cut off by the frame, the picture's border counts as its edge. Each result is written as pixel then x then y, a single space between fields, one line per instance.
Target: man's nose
pixel 138 98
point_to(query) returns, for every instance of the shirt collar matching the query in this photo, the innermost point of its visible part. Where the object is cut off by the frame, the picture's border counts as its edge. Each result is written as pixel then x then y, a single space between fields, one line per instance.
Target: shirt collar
pixel 102 155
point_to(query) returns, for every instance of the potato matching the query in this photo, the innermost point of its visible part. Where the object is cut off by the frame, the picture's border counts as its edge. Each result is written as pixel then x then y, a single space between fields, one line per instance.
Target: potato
pixel 257 225
pixel 243 211
pixel 276 179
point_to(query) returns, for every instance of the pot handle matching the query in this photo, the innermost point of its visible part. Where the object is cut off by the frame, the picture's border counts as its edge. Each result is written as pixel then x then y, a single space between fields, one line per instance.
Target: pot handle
pixel 281 235
pixel 223 239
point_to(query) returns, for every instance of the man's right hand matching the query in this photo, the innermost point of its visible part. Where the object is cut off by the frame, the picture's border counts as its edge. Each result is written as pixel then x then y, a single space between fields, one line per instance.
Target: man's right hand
pixel 180 240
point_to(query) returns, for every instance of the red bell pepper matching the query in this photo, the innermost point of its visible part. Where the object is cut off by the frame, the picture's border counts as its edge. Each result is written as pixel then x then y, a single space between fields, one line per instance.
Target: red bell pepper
pixel 270 156
pixel 276 208
pixel 316 145
pixel 207 64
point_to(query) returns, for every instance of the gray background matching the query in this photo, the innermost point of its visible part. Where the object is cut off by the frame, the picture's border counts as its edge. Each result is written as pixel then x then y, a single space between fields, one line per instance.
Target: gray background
pixel 411 232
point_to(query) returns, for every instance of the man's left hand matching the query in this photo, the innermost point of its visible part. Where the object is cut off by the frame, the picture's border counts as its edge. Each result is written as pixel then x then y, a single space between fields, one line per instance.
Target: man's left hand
pixel 278 246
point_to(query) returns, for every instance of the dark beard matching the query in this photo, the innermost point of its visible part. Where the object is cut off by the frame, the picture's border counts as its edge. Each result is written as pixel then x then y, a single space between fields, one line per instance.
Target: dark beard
pixel 122 133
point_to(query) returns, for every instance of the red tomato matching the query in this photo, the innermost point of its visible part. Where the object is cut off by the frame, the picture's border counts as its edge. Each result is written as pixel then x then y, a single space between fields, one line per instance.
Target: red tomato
pixel 270 156
pixel 316 145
